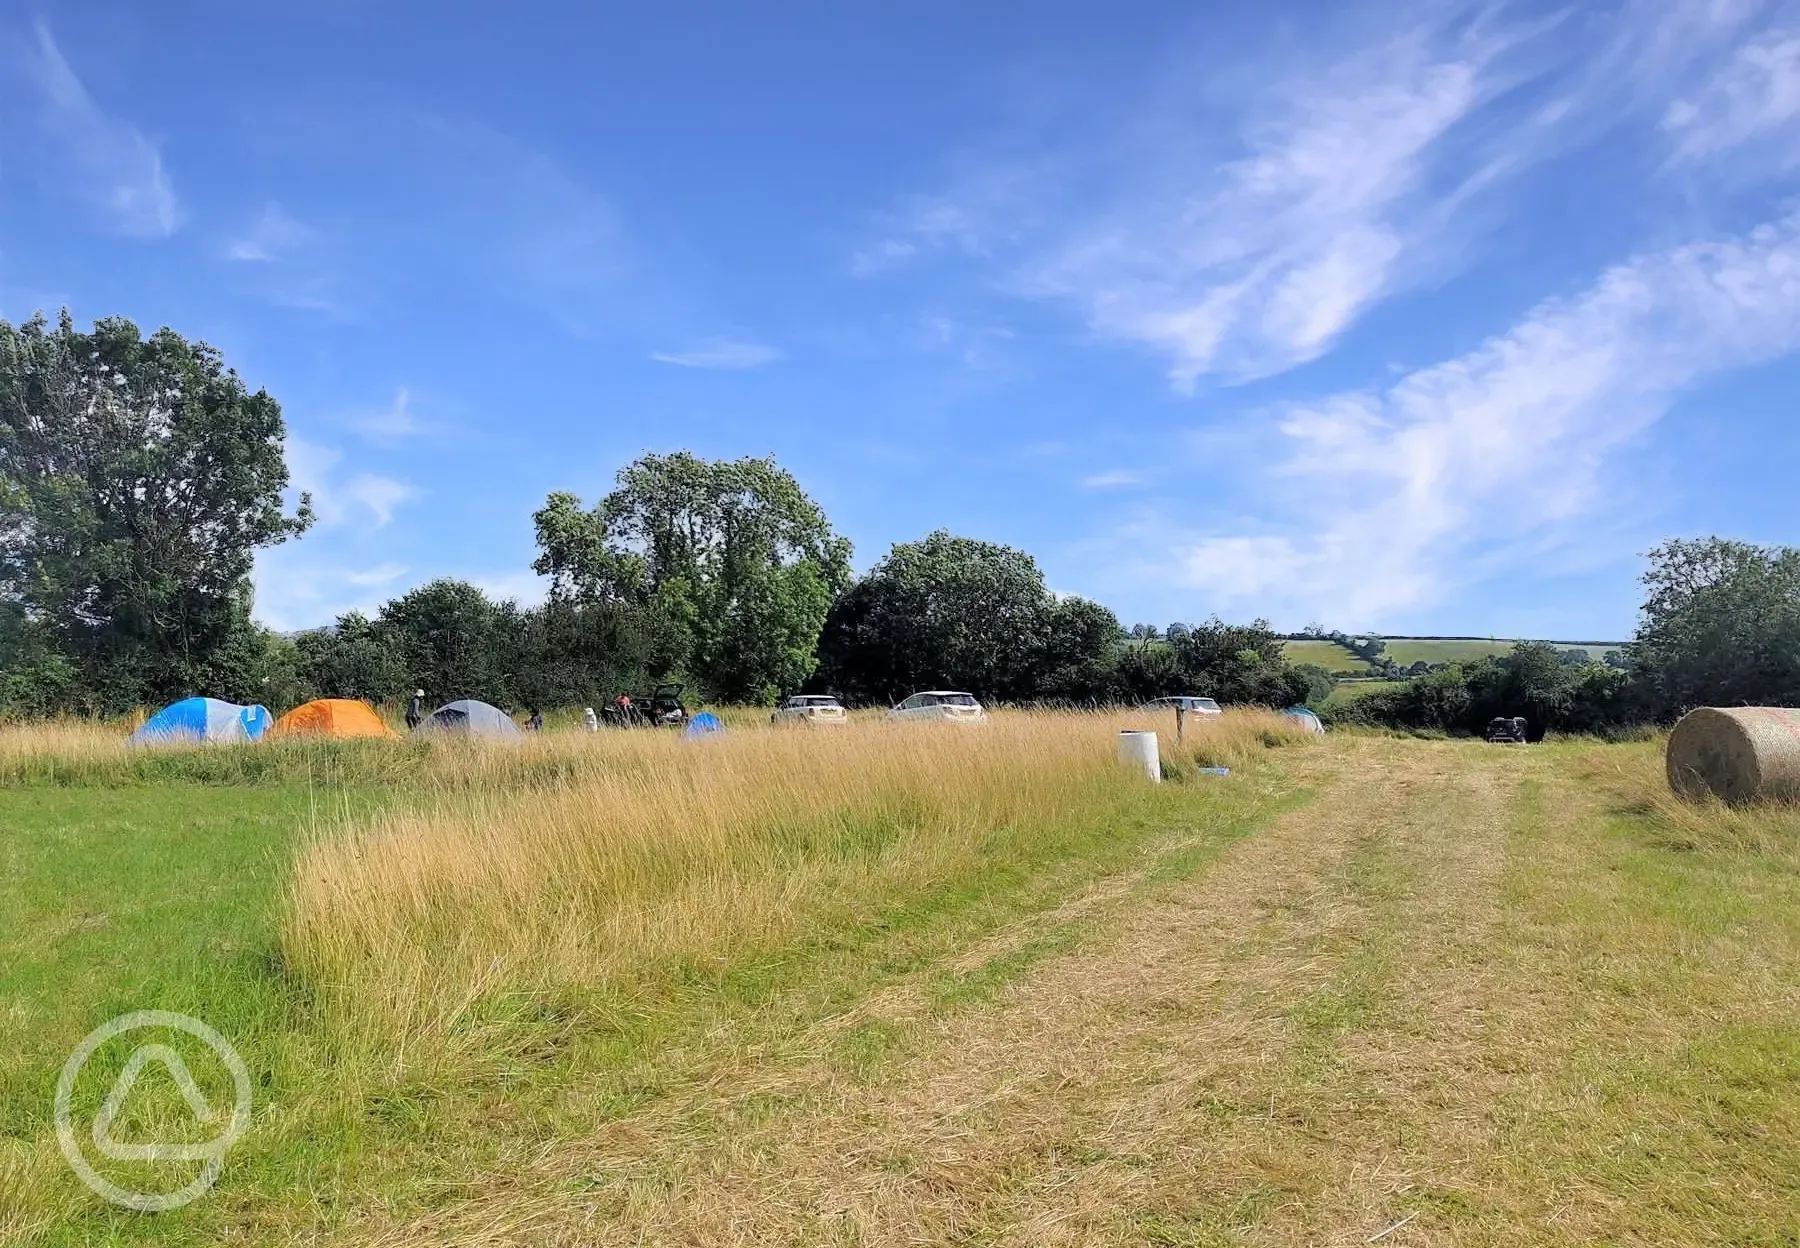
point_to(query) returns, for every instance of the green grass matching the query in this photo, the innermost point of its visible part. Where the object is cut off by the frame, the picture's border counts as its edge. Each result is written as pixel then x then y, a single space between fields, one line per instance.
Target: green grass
pixel 124 889
pixel 1326 654
pixel 1360 689
pixel 1560 1005
pixel 1670 941
pixel 1404 651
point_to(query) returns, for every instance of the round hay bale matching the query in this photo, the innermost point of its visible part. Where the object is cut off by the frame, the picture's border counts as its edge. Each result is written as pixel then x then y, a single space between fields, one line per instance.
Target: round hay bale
pixel 1737 753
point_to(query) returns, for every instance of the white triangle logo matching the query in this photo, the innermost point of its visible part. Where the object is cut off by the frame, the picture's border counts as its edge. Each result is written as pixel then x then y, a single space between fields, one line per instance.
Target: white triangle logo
pixel 115 1100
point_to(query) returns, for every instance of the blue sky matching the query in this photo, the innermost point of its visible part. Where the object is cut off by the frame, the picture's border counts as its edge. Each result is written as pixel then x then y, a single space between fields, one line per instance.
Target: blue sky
pixel 1429 318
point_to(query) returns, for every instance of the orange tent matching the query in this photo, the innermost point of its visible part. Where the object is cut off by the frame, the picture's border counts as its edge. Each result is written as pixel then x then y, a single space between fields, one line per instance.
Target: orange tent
pixel 331 717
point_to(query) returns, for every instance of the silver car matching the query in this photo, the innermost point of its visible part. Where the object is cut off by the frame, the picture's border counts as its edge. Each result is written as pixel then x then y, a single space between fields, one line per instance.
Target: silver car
pixel 810 708
pixel 941 705
pixel 1192 705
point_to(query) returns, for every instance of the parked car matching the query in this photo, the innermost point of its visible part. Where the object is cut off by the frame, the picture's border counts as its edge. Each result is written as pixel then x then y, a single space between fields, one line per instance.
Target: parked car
pixel 810 708
pixel 1192 705
pixel 941 705
pixel 1506 730
pixel 662 707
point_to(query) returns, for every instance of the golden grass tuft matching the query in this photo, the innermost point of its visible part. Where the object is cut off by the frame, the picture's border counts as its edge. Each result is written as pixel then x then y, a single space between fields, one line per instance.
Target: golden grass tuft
pixel 25 746
pixel 655 858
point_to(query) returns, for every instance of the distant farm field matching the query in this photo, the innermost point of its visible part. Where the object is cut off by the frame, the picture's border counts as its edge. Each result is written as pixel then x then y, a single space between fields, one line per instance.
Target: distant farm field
pixel 1326 654
pixel 891 984
pixel 1350 690
pixel 1407 651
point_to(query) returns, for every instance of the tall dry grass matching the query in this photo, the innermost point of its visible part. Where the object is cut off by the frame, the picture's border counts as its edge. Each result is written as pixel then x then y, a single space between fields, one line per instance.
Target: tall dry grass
pixel 1637 778
pixel 45 749
pixel 658 858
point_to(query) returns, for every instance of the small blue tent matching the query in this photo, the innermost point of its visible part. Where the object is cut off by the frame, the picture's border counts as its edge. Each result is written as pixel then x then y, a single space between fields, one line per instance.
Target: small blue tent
pixel 1305 718
pixel 705 724
pixel 469 718
pixel 203 719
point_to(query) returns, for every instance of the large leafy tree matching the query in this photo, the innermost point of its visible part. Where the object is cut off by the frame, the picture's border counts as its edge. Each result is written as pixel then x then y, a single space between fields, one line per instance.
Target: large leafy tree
pixel 956 613
pixel 732 561
pixel 575 654
pixel 1236 663
pixel 138 477
pixel 1720 625
pixel 353 659
pixel 453 641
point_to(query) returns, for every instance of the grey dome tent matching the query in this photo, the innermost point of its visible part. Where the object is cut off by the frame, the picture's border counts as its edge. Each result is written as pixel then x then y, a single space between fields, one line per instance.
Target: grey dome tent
pixel 469 718
pixel 1304 718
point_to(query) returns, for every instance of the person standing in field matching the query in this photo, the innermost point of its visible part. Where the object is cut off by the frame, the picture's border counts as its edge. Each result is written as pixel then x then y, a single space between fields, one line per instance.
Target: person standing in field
pixel 415 710
pixel 589 720
pixel 536 722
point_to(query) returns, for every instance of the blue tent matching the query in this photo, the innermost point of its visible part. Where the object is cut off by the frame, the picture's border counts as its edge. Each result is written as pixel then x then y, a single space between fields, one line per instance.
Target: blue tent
pixel 469 718
pixel 203 719
pixel 703 725
pixel 1305 718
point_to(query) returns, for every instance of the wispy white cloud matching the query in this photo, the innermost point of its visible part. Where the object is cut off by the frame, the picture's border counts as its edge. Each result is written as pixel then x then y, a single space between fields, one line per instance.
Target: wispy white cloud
pixel 1238 219
pixel 1254 264
pixel 379 494
pixel 1754 97
pixel 273 236
pixel 1394 495
pixel 1245 248
pixel 313 469
pixel 299 585
pixel 393 423
pixel 919 224
pixel 100 158
pixel 722 354
pixel 382 574
pixel 1115 480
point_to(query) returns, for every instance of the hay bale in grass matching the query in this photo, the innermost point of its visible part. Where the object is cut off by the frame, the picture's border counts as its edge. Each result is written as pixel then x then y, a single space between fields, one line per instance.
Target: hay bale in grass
pixel 1738 753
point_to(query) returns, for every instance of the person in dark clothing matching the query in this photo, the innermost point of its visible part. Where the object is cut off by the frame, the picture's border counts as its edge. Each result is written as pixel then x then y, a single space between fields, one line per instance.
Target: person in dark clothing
pixel 536 722
pixel 415 710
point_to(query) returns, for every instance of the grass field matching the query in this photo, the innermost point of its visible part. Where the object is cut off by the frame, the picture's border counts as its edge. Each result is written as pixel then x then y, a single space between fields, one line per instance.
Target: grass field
pixel 1350 691
pixel 1407 651
pixel 886 986
pixel 1326 654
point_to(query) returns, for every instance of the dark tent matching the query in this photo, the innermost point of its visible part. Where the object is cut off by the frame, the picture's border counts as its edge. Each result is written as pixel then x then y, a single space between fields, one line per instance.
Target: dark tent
pixel 470 718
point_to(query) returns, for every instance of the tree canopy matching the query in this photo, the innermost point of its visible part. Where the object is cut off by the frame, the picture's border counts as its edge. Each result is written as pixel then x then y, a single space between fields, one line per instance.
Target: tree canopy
pixel 1720 625
pixel 138 478
pixel 734 561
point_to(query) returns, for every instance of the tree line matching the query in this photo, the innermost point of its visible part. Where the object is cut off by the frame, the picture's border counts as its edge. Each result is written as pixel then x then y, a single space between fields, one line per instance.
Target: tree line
pixel 140 476
pixel 1719 626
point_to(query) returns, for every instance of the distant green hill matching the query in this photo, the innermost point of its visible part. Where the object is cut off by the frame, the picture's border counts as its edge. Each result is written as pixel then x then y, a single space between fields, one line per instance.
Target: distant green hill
pixel 1409 650
pixel 1326 654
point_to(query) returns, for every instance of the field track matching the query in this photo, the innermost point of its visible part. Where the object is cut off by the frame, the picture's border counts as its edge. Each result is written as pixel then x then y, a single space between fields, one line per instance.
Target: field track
pixel 1457 997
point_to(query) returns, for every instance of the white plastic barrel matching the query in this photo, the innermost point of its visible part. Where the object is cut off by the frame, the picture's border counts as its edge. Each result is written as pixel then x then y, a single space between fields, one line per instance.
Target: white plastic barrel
pixel 1138 751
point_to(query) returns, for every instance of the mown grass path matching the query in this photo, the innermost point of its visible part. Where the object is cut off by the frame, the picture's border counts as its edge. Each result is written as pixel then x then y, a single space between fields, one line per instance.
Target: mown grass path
pixel 1466 995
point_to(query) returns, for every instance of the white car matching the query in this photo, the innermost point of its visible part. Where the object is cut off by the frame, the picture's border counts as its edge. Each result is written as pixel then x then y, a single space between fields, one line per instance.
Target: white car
pixel 941 705
pixel 1193 706
pixel 810 708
